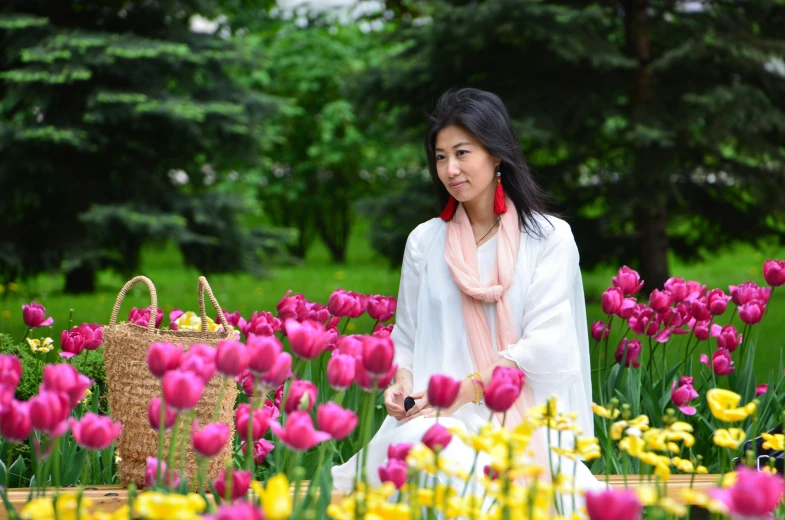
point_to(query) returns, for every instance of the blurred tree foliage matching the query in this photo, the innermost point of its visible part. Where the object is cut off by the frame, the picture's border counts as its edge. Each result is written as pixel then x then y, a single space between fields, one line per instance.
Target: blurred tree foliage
pixel 118 122
pixel 656 124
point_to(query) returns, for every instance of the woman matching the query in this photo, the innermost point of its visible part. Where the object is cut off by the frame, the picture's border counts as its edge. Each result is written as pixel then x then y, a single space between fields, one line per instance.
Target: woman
pixel 492 282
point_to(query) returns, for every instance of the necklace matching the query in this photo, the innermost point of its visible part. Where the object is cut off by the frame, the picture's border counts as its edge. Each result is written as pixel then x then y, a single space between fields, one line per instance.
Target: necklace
pixel 477 243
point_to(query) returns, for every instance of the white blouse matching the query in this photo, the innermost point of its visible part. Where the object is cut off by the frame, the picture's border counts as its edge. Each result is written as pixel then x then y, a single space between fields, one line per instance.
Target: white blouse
pixel 547 304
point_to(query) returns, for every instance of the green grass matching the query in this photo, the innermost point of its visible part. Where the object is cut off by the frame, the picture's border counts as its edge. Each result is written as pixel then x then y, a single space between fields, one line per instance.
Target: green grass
pixel 365 272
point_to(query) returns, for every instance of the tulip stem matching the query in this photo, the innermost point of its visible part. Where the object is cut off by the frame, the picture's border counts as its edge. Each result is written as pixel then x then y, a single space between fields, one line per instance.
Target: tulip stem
pixel 219 402
pixel 56 464
pixel 173 442
pixel 161 433
pixel 189 418
pixel 250 441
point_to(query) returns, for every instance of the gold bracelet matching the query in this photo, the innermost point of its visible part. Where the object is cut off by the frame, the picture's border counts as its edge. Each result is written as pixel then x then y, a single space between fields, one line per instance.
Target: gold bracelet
pixel 479 390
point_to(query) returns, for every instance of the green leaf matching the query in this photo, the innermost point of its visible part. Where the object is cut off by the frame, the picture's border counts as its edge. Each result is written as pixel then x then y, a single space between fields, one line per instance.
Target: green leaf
pixel 16 472
pixel 2 473
pixel 75 467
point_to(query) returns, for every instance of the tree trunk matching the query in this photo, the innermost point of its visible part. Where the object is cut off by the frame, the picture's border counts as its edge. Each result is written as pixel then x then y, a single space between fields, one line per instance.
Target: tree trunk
pixel 649 177
pixel 80 280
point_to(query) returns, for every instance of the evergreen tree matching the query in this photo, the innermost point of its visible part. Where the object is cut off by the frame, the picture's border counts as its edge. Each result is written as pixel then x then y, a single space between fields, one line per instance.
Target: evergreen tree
pixel 118 122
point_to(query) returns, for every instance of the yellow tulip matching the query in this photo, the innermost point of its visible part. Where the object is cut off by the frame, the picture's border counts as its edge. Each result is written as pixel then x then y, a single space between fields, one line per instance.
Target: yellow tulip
pixel 683 465
pixel 671 506
pixel 632 445
pixel 724 405
pixel 729 438
pixel 276 500
pixel 191 321
pixel 774 442
pixel 605 413
pixel 696 498
pixel 589 448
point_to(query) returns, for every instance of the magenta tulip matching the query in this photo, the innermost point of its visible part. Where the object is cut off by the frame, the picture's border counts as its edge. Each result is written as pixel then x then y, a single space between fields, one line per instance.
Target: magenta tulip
pixel 262 353
pixel 365 380
pixel 308 339
pixel 378 355
pixel 291 307
pixel 681 395
pixel 280 371
pixel 722 362
pixel 701 330
pixel 442 391
pixel 729 338
pixel 154 415
pixel 343 303
pixel 262 324
pixel 93 335
pixel 694 290
pixel 678 289
pixel 381 308
pixel 752 312
pixel 756 494
pixel 71 343
pixel 491 473
pixel 163 357
pixel 241 481
pixel 141 317
pixel 705 360
pixel 644 321
pixel 340 371
pixel 15 424
pixel 660 300
pixel 301 397
pixel 399 451
pixel 261 418
pixel 628 280
pixel 699 309
pixel 627 308
pixel 200 361
pixel 717 301
pixel 34 316
pixel 747 292
pixel 395 471
pixel 774 272
pixel 383 331
pixel 261 449
pixel 335 420
pixel 209 440
pixel 231 358
pixel 233 318
pixel 174 314
pixel 299 433
pixel 505 387
pixel 761 389
pixel 49 411
pixel 171 477
pixel 236 511
pixel 611 300
pixel 95 432
pixel 613 505
pixel 437 437
pixel 600 330
pixel 632 348
pixel 66 379
pixel 10 371
pixel 182 389
pixel 351 345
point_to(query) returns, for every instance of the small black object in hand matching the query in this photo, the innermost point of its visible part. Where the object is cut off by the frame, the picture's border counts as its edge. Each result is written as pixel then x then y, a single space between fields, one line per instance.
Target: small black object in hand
pixel 408 403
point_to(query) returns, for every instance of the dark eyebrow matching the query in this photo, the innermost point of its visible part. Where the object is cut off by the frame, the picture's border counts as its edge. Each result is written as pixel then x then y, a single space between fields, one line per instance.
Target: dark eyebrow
pixel 454 147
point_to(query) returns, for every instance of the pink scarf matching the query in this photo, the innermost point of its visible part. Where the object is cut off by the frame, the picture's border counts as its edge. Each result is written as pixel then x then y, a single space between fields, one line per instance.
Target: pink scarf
pixel 460 253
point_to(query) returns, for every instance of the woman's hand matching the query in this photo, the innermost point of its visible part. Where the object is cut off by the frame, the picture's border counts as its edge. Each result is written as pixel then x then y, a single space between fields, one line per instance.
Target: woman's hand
pixel 424 409
pixel 394 397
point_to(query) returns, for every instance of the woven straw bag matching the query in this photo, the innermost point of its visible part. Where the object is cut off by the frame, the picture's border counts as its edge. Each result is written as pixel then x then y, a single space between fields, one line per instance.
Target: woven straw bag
pixel 132 386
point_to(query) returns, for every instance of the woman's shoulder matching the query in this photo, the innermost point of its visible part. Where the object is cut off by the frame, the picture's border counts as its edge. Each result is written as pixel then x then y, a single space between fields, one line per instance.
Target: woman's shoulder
pixel 424 233
pixel 547 228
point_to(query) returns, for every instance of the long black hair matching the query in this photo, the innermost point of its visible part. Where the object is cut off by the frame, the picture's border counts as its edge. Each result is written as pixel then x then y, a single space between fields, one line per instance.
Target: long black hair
pixel 484 115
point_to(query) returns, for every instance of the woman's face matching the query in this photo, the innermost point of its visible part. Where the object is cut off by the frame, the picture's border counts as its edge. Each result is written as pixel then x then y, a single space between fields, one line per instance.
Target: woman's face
pixel 464 166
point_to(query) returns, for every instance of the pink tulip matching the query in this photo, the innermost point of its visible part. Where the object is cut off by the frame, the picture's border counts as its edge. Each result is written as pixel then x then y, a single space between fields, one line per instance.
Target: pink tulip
pixel 678 289
pixel 10 371
pixel 209 440
pixel 442 391
pixel 694 290
pixel 335 420
pixel 291 307
pixel 308 339
pixel 505 387
pixel 660 300
pixel 154 415
pixel 632 348
pixel 163 357
pixel 729 338
pixel 332 338
pixel 611 300
pixel 774 272
pixel 600 330
pixel 365 380
pixel 699 309
pixel 261 449
pixel 613 505
pixel 182 389
pixel 437 437
pixel 761 389
pixel 682 395
pixel 95 432
pixel 378 355
pixel 262 353
pixel 200 361
pixel 381 308
pixel 49 411
pixel 627 308
pixel 341 303
pixel 491 473
pixel 171 478
pixel 754 495
pixel 705 360
pixel 280 371
pixel 34 316
pixel 262 324
pixel 141 317
pixel 71 343
pixel 231 358
pixel 395 471
pixel 174 314
pixel 66 379
pixel 383 331
pixel 241 481
pixel 748 291
pixel 93 335
pixel 752 312
pixel 6 396
pixel 15 424
pixel 234 319
pixel 236 511
pixel 261 417
pixel 717 301
pixel 722 362
pixel 644 321
pixel 340 371
pixel 299 433
pixel 248 382
pixel 701 330
pixel 302 396
pixel 399 451
pixel 351 345
pixel 628 280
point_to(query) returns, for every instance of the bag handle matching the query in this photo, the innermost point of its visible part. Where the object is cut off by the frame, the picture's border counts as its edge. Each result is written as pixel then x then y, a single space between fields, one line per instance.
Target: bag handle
pixel 124 291
pixel 205 287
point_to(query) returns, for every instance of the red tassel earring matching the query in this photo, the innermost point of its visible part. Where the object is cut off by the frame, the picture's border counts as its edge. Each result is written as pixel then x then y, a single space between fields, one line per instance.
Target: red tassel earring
pixel 499 205
pixel 449 209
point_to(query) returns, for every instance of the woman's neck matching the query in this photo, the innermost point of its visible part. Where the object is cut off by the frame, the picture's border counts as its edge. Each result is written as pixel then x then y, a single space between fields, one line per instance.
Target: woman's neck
pixel 480 212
